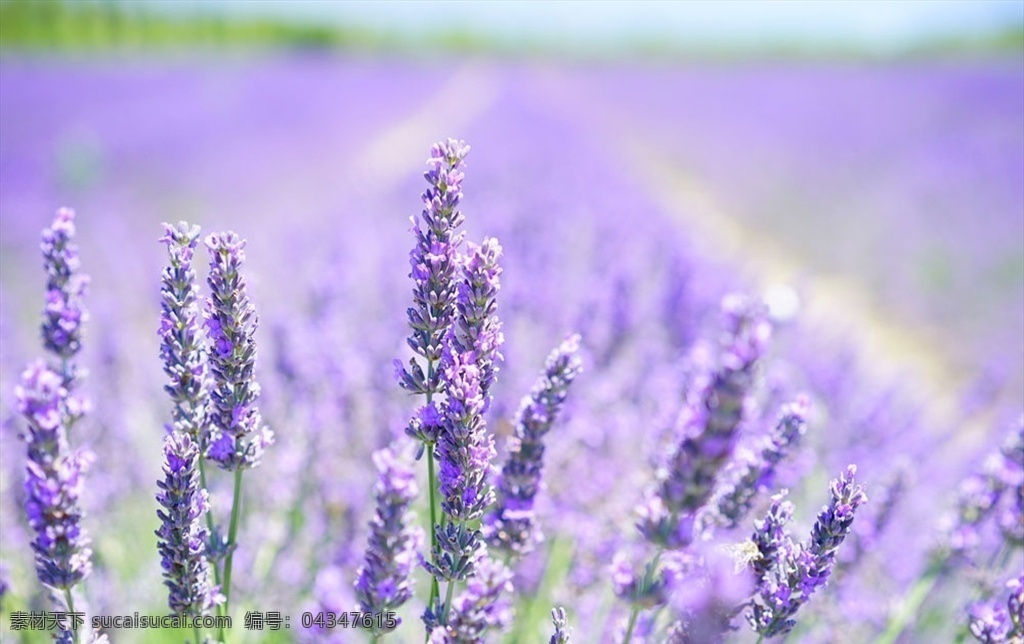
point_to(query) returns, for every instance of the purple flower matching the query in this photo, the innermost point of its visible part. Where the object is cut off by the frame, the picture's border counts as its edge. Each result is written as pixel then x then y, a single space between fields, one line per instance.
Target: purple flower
pixel 732 502
pixel 995 623
pixel 511 525
pixel 434 261
pixel 799 570
pixel 64 312
pixel 994 493
pixel 477 328
pixel 53 482
pixel 239 438
pixel 182 544
pixel 562 634
pixel 385 579
pixel 464 448
pixel 710 421
pixel 180 334
pixel 483 605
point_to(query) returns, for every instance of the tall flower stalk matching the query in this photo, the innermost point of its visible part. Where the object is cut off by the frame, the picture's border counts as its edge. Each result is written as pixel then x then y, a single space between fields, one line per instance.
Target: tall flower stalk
pixel 511 526
pixel 385 579
pixel 789 573
pixel 45 399
pixel 434 261
pixel 238 436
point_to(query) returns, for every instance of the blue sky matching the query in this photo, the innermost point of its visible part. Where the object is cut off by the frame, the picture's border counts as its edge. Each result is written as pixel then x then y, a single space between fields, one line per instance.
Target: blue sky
pixel 882 25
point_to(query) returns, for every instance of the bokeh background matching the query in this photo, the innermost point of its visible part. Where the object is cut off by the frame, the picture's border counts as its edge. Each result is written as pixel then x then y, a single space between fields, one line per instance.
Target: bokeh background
pixel 860 165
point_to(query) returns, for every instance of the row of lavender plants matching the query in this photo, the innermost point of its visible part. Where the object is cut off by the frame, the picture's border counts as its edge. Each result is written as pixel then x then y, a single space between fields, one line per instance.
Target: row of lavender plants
pixel 701 544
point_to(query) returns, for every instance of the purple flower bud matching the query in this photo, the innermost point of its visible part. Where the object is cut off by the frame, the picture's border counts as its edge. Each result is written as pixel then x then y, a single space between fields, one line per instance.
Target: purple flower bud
pixel 183 537
pixel 798 570
pixel 562 634
pixel 64 312
pixel 484 604
pixel 385 580
pixel 53 482
pixel 732 502
pixel 180 334
pixel 239 436
pixel 992 622
pixel 710 422
pixel 434 261
pixel 511 525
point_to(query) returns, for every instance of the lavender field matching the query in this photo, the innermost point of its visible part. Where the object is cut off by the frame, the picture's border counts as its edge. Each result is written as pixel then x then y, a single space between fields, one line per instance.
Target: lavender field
pixel 693 353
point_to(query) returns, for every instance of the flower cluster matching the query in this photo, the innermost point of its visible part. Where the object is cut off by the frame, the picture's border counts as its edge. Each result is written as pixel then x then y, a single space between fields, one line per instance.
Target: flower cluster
pixel 995 623
pixel 483 605
pixel 385 579
pixel 795 571
pixel 53 484
pixel 435 261
pixel 181 348
pixel 994 495
pixel 710 421
pixel 182 544
pixel 477 329
pixel 239 436
pixel 64 312
pixel 511 525
pixel 733 500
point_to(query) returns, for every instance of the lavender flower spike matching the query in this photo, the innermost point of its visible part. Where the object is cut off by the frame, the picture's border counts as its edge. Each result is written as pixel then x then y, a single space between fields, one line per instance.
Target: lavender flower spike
pixel 477 328
pixel 434 261
pixel 64 313
pixel 710 423
pixel 511 525
pixel 801 569
pixel 239 434
pixel 53 484
pixel 182 543
pixel 385 579
pixel 732 502
pixel 479 607
pixel 180 334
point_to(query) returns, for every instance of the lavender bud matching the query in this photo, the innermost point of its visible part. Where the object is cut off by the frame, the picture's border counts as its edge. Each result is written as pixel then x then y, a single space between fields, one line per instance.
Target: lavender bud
pixel 239 437
pixel 801 569
pixel 710 422
pixel 434 261
pixel 457 550
pixel 483 605
pixel 511 525
pixel 180 334
pixel 53 482
pixel 464 448
pixel 995 623
pixel 182 544
pixel 732 502
pixel 64 313
pixel 477 328
pixel 385 579
pixel 562 634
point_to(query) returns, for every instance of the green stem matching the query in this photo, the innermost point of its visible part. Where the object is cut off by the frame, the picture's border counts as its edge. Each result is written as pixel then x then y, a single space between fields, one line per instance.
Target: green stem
pixel 644 585
pixel 70 601
pixel 911 604
pixel 435 589
pixel 447 601
pixel 760 638
pixel 195 631
pixel 236 505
